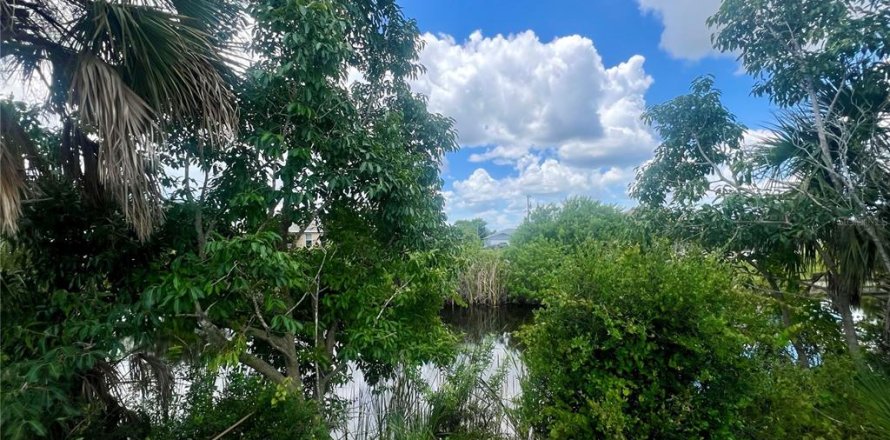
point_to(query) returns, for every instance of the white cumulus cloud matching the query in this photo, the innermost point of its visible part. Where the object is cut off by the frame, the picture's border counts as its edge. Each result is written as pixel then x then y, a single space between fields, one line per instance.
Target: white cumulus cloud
pixel 503 202
pixel 686 34
pixel 516 94
pixel 566 123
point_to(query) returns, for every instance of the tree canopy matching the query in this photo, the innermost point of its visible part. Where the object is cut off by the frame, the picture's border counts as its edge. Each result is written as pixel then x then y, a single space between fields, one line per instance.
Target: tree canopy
pixel 153 224
pixel 805 206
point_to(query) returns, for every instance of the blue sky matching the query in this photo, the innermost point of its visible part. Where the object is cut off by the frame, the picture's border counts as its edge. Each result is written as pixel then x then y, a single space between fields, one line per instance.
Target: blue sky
pixel 546 96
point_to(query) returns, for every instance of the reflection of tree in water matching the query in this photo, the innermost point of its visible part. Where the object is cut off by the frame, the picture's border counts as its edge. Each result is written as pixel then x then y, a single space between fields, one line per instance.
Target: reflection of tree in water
pixel 474 391
pixel 477 323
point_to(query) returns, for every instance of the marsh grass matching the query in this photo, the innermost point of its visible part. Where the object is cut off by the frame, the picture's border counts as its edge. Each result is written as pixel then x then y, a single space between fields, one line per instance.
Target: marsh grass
pixel 481 280
pixel 469 399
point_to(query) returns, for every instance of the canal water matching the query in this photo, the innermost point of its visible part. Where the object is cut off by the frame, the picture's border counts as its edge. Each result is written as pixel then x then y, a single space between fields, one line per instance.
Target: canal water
pixel 487 333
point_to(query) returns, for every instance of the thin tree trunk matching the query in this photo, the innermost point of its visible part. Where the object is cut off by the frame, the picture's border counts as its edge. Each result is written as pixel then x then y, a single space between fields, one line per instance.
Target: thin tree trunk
pixel 69 152
pixel 821 134
pixel 841 301
pixel 886 335
pixel 800 353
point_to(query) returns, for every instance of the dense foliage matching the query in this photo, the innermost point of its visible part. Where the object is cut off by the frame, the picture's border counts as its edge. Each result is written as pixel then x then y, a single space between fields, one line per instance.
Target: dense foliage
pixel 806 207
pixel 657 340
pixel 472 230
pixel 540 246
pixel 244 407
pixel 158 281
pixel 154 225
pixel 651 345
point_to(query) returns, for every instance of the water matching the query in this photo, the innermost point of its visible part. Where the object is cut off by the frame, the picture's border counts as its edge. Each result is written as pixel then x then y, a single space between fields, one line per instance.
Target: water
pixel 477 323
pixel 482 328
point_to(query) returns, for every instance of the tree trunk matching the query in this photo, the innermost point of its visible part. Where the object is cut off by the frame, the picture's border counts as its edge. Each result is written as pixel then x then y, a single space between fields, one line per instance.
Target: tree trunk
pixel 800 352
pixel 841 302
pixel 886 335
pixel 90 151
pixel 70 154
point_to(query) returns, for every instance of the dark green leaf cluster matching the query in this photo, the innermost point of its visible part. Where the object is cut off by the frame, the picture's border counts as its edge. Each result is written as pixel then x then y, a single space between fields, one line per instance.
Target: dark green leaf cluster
pixel 69 287
pixel 208 410
pixel 651 345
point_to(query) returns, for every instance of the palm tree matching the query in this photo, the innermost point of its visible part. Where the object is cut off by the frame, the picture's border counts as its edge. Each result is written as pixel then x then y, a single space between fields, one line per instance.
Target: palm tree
pixel 121 75
pixel 848 196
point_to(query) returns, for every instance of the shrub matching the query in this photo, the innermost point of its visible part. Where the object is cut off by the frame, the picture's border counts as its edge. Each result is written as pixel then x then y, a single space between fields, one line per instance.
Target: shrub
pixel 268 412
pixel 637 345
pixel 540 246
pixel 576 221
pixel 532 269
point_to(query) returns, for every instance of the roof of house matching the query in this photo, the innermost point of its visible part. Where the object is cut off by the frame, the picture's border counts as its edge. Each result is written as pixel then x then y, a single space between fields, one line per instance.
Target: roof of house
pixel 296 229
pixel 506 233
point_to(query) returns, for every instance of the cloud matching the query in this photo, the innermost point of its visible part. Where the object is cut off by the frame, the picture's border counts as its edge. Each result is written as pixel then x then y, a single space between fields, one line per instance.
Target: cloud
pixel 503 202
pixel 754 136
pixel 566 123
pixel 686 34
pixel 516 95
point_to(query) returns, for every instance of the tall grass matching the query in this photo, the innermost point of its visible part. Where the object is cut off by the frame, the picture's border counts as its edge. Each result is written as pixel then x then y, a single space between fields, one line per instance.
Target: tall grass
pixel 466 400
pixel 481 279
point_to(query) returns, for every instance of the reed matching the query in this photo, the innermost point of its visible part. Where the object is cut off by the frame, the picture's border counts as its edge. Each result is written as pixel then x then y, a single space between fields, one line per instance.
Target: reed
pixel 466 400
pixel 481 279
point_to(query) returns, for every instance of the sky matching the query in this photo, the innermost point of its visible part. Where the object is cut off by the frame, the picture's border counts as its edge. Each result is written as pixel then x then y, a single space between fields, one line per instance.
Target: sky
pixel 547 95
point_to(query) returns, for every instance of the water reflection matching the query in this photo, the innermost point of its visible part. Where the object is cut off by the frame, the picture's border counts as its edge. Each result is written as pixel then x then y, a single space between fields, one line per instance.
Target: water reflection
pixel 477 323
pixel 488 334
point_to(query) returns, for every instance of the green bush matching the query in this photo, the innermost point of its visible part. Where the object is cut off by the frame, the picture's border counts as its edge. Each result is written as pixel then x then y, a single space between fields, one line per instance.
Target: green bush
pixel 540 245
pixel 639 345
pixel 576 221
pixel 268 412
pixel 650 343
pixel 532 269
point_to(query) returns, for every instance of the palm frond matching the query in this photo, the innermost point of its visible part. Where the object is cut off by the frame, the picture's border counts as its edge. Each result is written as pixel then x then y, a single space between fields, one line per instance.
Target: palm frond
pixel 792 149
pixel 169 63
pixel 218 17
pixel 157 64
pixel 874 389
pixel 152 375
pixel 14 143
pixel 854 255
pixel 126 126
pixel 12 185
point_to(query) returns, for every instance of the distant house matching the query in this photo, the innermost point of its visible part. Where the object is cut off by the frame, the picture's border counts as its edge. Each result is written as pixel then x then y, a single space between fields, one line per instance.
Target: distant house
pixel 498 239
pixel 307 237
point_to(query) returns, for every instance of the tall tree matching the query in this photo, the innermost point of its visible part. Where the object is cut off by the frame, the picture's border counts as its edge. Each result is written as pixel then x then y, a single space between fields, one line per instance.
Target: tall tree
pixel 476 228
pixel 823 63
pixel 81 195
pixel 701 153
pixel 362 161
pixel 217 282
pixel 826 63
